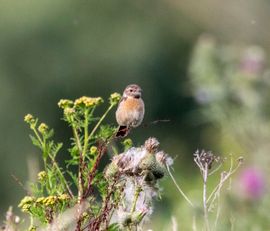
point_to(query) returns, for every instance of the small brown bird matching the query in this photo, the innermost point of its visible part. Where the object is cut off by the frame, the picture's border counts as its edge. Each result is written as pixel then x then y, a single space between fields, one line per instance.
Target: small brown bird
pixel 130 111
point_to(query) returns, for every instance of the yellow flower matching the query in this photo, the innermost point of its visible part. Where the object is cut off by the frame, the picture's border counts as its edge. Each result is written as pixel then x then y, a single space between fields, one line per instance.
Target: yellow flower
pixel 65 103
pixel 27 200
pixel 25 208
pixel 32 228
pixel 26 203
pixel 29 119
pixel 63 197
pixel 40 200
pixel 42 176
pixel 114 98
pixel 43 128
pixel 50 200
pixel 88 101
pixel 69 111
pixel 93 150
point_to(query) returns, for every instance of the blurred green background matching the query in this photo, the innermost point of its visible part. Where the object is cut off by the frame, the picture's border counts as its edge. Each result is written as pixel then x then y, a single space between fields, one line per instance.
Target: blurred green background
pixel 65 49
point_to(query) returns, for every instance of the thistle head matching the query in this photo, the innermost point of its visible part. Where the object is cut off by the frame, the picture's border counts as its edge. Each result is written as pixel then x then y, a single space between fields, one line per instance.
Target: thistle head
pixel 151 145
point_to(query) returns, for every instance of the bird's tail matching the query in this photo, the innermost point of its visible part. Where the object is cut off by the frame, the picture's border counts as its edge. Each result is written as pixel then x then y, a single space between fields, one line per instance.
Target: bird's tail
pixel 122 131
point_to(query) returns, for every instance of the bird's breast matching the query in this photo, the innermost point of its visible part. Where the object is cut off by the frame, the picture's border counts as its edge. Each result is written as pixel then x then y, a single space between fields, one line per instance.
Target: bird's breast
pixel 130 112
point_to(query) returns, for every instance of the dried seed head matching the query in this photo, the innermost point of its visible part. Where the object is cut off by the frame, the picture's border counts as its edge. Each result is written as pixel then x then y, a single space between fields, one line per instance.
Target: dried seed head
pixel 205 158
pixel 151 145
pixel 164 159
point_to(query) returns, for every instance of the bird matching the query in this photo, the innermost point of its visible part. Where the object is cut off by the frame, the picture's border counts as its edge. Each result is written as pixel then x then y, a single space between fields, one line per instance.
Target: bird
pixel 130 110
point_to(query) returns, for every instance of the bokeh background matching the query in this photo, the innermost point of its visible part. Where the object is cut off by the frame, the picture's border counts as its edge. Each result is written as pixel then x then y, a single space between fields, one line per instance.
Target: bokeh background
pixel 202 64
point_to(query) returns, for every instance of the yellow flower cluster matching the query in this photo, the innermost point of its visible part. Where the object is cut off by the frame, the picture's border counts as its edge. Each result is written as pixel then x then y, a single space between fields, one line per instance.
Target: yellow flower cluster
pixel 68 111
pixel 114 98
pixel 64 103
pixel 88 101
pixel 63 197
pixel 29 119
pixel 42 176
pixel 43 128
pixel 26 203
pixel 52 200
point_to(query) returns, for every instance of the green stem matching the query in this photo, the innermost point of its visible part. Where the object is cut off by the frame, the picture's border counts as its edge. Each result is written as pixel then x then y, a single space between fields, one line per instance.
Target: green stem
pixel 205 209
pixel 63 179
pixel 75 133
pixel 78 143
pixel 136 196
pixel 31 222
pixel 100 121
pixel 86 121
pixel 37 135
pixel 178 187
pixel 43 146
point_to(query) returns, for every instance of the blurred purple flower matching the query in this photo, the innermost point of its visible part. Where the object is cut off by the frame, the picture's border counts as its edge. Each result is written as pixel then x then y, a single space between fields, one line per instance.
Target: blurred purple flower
pixel 253 60
pixel 252 183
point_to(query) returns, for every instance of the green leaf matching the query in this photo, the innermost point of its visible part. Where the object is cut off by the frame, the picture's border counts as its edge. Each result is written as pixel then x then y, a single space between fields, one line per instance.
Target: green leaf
pixel 113 227
pixel 73 177
pixel 35 141
pixel 101 184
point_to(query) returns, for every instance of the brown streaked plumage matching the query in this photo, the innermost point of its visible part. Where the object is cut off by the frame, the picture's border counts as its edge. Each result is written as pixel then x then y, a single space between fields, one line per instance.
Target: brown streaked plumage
pixel 130 111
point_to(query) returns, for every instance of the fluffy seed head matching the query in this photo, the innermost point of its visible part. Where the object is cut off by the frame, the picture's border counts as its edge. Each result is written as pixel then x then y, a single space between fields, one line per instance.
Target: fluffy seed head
pixel 151 145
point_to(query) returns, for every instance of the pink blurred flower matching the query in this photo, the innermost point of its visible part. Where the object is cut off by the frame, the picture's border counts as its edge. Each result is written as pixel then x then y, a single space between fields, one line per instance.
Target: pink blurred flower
pixel 253 60
pixel 252 183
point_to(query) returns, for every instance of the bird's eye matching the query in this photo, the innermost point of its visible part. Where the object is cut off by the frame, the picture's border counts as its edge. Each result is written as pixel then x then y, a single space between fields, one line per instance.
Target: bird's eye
pixel 131 90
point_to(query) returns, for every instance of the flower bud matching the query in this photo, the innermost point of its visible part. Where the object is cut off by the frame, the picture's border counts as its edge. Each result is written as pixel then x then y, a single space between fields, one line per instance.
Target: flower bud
pixel 127 144
pixel 42 176
pixel 43 128
pixel 114 98
pixel 137 217
pixel 93 150
pixel 29 119
pixel 65 103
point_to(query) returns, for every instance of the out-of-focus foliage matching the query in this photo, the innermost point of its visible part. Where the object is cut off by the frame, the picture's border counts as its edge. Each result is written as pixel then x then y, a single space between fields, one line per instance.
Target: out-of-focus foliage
pixel 231 84
pixel 64 49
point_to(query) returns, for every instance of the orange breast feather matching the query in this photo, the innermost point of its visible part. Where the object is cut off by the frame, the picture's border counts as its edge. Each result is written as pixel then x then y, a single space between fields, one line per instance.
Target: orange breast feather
pixel 132 104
